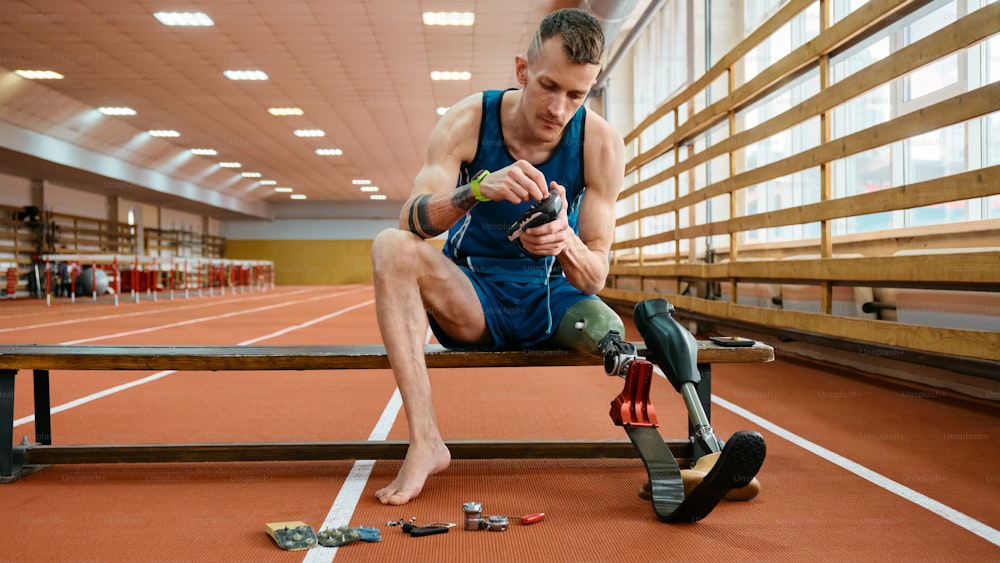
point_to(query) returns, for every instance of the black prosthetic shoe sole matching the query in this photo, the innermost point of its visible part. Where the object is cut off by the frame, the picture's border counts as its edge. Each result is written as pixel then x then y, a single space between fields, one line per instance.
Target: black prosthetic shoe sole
pixel 741 459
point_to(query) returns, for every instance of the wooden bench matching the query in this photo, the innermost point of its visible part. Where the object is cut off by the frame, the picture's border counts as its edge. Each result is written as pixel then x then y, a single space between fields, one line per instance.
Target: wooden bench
pixel 19 460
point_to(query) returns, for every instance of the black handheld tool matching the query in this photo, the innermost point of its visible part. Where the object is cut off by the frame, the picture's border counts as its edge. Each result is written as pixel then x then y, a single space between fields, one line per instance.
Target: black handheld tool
pixel 545 211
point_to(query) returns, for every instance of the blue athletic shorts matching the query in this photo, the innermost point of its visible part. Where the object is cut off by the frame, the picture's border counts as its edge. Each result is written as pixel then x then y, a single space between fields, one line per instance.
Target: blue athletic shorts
pixel 519 315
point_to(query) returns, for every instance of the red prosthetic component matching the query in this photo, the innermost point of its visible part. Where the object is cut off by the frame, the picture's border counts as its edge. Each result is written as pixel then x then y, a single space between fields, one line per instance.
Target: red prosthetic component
pixel 632 407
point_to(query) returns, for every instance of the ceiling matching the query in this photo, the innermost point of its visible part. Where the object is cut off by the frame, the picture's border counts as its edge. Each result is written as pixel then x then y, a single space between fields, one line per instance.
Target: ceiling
pixel 359 69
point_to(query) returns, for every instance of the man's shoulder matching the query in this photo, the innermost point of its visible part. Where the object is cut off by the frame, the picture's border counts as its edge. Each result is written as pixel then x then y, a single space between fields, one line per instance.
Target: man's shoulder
pixel 597 125
pixel 601 135
pixel 471 104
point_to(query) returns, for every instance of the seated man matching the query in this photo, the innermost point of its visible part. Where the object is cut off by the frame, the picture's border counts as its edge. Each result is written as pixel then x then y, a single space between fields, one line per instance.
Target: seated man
pixel 489 158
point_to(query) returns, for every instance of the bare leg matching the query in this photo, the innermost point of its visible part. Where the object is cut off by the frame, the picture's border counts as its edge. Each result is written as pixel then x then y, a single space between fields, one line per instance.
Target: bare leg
pixel 412 276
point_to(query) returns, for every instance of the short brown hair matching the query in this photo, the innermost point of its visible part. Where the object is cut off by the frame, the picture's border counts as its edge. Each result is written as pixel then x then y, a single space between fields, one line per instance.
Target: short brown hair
pixel 582 35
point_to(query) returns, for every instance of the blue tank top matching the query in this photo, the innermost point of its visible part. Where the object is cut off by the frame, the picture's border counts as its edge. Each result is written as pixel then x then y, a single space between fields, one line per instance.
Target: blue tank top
pixel 479 240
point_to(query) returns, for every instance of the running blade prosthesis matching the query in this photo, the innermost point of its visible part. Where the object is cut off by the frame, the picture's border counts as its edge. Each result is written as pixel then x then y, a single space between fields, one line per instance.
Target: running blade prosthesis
pixel 675 351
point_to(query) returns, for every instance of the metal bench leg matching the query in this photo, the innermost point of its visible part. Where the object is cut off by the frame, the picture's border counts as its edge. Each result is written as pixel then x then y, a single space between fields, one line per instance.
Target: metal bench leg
pixel 43 408
pixel 11 460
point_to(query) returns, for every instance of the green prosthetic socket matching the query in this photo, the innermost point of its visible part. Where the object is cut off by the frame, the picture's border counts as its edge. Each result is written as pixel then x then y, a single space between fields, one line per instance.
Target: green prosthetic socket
pixel 585 324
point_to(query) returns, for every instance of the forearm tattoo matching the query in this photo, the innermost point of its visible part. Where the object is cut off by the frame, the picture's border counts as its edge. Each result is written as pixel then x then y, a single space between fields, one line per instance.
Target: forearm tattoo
pixel 427 224
pixel 420 219
pixel 463 199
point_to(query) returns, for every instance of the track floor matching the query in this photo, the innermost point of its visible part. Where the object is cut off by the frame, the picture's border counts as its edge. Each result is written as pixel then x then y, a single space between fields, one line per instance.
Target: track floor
pixel 857 469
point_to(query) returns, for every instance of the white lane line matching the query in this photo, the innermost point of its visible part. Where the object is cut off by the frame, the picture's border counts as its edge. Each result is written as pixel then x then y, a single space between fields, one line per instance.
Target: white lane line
pixel 143 313
pixel 347 499
pixel 982 530
pixel 124 386
pixel 203 319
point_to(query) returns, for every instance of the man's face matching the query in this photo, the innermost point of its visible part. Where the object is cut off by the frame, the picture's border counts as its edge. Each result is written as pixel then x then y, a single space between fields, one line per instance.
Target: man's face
pixel 554 88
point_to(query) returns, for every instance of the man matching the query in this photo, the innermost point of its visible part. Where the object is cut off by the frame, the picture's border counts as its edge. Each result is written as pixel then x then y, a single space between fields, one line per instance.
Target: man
pixel 507 150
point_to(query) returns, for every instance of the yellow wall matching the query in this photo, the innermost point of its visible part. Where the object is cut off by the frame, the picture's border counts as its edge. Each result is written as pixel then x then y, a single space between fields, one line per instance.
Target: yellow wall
pixel 310 262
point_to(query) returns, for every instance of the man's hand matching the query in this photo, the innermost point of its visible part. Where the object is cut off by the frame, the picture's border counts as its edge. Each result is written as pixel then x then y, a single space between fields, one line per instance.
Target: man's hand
pixel 515 183
pixel 551 238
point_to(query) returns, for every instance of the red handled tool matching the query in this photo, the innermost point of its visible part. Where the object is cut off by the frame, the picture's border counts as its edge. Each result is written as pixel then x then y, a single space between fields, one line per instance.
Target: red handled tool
pixel 530 518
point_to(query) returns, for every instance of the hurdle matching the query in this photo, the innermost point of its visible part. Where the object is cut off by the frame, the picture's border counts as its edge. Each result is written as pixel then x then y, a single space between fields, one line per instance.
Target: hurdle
pixel 29 457
pixel 134 274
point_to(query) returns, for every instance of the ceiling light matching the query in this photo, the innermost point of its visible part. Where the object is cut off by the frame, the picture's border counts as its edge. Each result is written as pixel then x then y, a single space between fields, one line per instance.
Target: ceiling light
pixel 164 133
pixel 283 189
pixel 369 188
pixel 449 18
pixel 39 74
pixel 184 18
pixel 329 152
pixel 245 74
pixel 377 196
pixel 450 75
pixel 116 111
pixel 298 196
pixel 204 152
pixel 442 110
pixel 284 111
pixel 268 182
pixel 230 165
pixel 310 133
pixel 361 181
pixel 251 174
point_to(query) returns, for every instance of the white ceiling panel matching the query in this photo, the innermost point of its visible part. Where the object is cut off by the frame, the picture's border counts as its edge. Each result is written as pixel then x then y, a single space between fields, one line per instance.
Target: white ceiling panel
pixel 359 70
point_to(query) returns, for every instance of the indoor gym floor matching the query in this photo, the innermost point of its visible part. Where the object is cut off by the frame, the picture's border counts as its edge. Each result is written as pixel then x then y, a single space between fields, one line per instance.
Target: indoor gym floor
pixel 858 468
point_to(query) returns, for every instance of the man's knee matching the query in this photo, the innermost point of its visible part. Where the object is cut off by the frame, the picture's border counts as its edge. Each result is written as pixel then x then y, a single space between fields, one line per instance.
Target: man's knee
pixel 392 249
pixel 586 323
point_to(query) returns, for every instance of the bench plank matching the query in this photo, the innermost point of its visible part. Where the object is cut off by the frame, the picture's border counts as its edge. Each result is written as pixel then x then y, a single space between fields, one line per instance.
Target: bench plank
pixel 238 358
pixel 321 451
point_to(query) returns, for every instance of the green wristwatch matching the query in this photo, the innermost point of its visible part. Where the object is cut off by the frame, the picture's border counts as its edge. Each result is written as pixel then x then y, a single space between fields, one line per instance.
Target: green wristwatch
pixel 479 177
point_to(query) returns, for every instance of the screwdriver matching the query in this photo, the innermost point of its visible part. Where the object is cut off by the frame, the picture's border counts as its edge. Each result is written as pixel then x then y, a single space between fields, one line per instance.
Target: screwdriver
pixel 529 519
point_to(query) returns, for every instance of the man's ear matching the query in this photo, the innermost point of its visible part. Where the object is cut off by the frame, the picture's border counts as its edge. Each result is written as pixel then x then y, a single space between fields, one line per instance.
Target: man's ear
pixel 521 69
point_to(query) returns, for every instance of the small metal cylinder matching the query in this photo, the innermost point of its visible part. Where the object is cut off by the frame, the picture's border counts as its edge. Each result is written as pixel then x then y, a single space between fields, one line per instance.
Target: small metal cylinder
pixel 496 523
pixel 473 515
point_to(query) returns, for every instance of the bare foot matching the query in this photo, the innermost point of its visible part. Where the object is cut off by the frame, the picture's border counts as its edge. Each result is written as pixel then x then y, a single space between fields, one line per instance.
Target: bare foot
pixel 421 462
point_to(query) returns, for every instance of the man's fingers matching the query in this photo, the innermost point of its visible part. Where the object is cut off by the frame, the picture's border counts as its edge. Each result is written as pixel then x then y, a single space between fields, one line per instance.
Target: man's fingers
pixel 534 180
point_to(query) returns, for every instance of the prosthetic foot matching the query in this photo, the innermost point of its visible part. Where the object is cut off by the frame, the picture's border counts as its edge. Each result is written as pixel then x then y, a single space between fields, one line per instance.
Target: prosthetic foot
pixel 677 497
pixel 694 476
pixel 736 467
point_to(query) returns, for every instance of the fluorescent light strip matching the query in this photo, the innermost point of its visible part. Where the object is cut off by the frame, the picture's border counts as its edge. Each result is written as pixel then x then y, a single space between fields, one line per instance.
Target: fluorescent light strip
pixel 285 111
pixel 310 133
pixel 369 188
pixel 164 133
pixel 116 111
pixel 204 152
pixel 377 196
pixel 361 181
pixel 450 75
pixel 298 196
pixel 189 19
pixel 251 174
pixel 39 74
pixel 230 165
pixel 268 182
pixel 283 189
pixel 449 18
pixel 245 74
pixel 329 152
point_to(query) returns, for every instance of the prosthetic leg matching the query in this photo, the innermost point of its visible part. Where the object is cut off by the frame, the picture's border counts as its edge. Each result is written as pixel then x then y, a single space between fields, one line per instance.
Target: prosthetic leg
pixel 675 350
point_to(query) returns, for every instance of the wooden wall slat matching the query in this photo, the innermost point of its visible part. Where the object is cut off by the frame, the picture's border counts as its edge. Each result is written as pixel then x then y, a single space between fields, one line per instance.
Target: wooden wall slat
pixel 970 343
pixel 969 30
